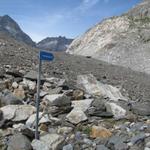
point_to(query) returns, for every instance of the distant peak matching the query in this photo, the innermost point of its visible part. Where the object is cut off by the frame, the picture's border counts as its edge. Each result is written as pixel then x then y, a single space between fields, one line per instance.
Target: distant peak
pixel 7 17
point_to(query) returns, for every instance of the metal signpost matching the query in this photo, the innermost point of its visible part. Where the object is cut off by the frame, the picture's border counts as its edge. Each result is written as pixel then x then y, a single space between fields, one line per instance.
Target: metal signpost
pixel 43 56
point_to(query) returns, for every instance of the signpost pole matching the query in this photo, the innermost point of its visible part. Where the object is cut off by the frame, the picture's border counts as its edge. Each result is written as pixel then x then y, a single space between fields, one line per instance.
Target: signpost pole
pixel 45 56
pixel 38 99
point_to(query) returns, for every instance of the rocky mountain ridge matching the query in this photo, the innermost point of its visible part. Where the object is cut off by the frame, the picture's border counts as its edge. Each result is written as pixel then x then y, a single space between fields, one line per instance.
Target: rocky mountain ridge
pixel 54 43
pixel 11 28
pixel 123 40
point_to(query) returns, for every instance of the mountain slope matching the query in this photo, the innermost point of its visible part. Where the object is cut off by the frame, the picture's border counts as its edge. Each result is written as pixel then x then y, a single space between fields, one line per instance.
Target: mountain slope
pixel 11 28
pixel 55 43
pixel 123 40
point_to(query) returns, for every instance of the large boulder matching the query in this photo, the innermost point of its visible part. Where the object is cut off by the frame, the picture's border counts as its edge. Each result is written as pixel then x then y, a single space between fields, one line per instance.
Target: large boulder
pixel 90 85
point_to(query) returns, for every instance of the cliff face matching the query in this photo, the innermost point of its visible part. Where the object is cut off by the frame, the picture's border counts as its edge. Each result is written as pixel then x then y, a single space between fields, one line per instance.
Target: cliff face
pixel 123 40
pixel 12 29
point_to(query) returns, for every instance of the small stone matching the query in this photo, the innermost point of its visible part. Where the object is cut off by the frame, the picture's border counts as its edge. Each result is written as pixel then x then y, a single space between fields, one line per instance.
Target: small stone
pixel 39 145
pixel 58 100
pixel 19 93
pixel 148 144
pixel 15 85
pixel 76 116
pixel 18 126
pixel 64 130
pixel 43 127
pixel 43 118
pixel 30 84
pixel 78 94
pixel 43 93
pixel 55 81
pixel 116 110
pixel 14 73
pixel 99 131
pixel 68 147
pixel 135 139
pixel 2 85
pixel 101 147
pixel 53 141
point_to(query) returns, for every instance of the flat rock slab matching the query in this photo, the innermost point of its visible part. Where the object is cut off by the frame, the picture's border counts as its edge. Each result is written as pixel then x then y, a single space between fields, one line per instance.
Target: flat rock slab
pixel 76 116
pixel 32 75
pixel 82 104
pixel 17 112
pixel 58 100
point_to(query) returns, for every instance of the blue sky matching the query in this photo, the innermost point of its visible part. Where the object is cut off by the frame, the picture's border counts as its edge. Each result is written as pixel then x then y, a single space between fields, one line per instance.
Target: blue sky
pixel 70 18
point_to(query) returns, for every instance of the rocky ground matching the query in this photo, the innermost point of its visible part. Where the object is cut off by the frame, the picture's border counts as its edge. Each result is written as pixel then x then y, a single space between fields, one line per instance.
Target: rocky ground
pixel 85 104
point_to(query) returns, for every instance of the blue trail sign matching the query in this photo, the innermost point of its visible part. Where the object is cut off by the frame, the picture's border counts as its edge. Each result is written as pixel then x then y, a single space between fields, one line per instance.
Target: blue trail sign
pixel 43 56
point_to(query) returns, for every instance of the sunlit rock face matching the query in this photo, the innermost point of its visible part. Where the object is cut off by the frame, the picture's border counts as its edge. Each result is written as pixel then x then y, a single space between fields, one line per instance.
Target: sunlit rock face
pixel 123 40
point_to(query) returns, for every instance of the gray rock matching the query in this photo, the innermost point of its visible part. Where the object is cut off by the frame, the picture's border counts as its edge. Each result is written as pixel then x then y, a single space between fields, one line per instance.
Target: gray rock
pixel 62 101
pixel 101 147
pixel 56 81
pixel 14 73
pixel 43 118
pixel 39 145
pixel 51 141
pixel 32 75
pixel 2 85
pixel 137 138
pixel 7 98
pixel 29 84
pixel 99 104
pixel 58 100
pixel 82 104
pixel 121 146
pixel 116 110
pixel 17 112
pixel 68 147
pixel 142 109
pixel 19 142
pixel 76 116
